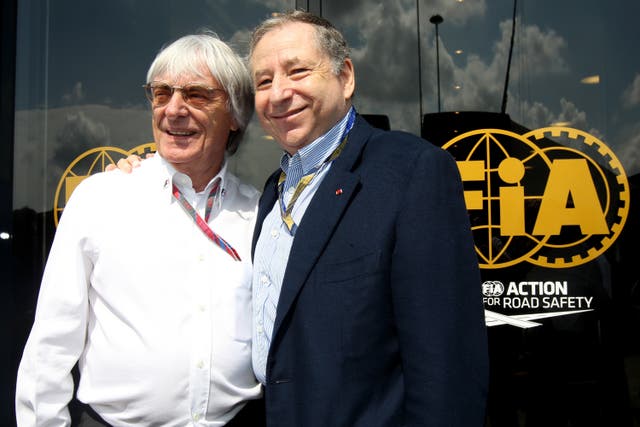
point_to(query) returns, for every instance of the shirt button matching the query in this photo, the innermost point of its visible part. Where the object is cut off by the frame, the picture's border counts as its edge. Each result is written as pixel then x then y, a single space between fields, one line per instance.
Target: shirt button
pixel 260 329
pixel 264 279
pixel 200 257
pixel 202 308
pixel 291 190
pixel 200 364
pixel 196 417
pixel 275 233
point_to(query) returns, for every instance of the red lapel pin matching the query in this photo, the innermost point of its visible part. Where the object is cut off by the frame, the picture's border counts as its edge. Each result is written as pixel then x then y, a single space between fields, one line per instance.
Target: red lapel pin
pixel 338 191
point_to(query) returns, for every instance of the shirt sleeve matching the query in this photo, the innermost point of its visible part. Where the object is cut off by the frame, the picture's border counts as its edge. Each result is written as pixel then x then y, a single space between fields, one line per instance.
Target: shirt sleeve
pixel 56 341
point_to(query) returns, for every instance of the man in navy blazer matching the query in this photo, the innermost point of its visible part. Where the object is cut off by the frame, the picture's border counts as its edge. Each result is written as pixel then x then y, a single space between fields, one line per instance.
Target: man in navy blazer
pixel 366 288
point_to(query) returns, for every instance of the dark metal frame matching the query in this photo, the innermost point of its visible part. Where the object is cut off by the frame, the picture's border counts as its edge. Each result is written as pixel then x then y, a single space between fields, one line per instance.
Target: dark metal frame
pixel 9 360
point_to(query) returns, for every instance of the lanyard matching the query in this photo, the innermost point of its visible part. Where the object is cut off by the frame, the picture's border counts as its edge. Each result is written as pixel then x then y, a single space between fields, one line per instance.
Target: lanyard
pixel 202 224
pixel 285 211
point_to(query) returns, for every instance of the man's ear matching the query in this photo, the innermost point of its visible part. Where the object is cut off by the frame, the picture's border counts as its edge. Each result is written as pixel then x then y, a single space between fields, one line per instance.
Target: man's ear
pixel 233 125
pixel 348 77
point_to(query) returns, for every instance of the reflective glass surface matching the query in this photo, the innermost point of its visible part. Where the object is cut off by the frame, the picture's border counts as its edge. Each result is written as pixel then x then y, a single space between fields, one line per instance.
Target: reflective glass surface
pixel 432 67
pixel 442 68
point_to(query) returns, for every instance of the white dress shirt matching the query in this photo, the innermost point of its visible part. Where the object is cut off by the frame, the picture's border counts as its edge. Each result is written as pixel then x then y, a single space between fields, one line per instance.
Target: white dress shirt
pixel 157 315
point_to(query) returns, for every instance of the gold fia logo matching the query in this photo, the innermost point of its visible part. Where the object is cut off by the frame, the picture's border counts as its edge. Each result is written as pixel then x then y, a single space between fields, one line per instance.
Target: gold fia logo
pixel 555 197
pixel 86 164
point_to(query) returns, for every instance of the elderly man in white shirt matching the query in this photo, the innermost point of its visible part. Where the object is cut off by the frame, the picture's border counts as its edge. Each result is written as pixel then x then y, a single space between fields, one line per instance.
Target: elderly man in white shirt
pixel 160 327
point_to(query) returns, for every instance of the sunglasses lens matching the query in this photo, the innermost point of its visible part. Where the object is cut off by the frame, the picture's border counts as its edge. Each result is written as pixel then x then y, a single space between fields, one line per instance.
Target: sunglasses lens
pixel 160 94
pixel 197 96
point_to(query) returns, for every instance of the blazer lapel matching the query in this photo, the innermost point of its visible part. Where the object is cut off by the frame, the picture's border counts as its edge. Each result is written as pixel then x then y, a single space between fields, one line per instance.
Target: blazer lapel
pixel 321 218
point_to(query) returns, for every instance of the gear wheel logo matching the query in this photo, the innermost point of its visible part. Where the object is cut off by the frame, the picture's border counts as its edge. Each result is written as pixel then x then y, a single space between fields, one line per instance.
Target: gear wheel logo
pixel 86 164
pixel 555 197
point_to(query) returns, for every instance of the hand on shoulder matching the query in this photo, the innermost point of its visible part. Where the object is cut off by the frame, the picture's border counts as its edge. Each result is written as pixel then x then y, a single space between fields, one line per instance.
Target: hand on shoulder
pixel 128 164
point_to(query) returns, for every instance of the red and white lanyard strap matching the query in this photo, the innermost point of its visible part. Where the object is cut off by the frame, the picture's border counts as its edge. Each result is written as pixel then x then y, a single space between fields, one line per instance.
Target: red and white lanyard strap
pixel 202 223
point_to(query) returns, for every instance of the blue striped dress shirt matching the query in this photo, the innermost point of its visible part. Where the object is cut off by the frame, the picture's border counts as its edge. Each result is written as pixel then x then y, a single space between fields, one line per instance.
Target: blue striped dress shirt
pixel 275 241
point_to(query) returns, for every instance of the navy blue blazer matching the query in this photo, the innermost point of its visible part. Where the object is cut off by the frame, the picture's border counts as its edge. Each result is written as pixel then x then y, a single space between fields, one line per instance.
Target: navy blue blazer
pixel 380 320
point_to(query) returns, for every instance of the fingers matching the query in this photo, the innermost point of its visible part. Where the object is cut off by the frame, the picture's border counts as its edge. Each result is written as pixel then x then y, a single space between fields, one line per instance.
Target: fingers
pixel 125 165
pixel 133 161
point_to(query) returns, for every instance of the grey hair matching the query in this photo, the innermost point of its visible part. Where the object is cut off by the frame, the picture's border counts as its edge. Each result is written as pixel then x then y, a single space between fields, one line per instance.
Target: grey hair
pixel 330 40
pixel 190 53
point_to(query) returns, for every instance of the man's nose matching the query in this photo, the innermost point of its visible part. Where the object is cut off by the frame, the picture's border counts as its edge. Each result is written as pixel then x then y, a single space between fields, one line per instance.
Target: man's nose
pixel 281 89
pixel 177 105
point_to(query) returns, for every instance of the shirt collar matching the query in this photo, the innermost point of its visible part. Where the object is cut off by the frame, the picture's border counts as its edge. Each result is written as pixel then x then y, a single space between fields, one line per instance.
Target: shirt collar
pixel 171 176
pixel 312 155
